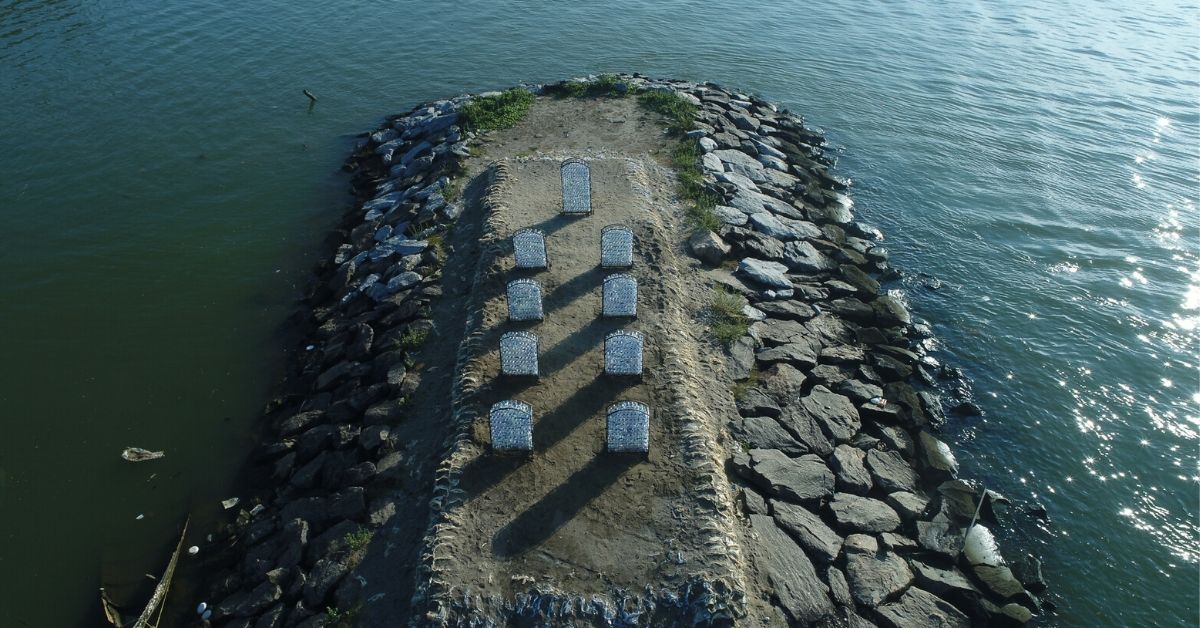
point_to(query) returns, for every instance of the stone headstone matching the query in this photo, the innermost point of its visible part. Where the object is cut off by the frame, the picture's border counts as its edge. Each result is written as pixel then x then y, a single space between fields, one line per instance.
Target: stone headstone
pixel 620 296
pixel 529 249
pixel 519 354
pixel 524 300
pixel 616 247
pixel 576 187
pixel 628 427
pixel 512 426
pixel 623 353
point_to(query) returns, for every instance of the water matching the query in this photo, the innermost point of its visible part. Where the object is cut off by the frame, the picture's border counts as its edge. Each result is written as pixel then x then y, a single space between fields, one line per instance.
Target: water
pixel 165 185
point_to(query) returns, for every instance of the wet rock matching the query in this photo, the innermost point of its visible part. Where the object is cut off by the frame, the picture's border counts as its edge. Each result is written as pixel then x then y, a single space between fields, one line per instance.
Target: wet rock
pixel 938 459
pixel 771 274
pixel 741 354
pixel 948 583
pixel 852 309
pixel 891 471
pixel 890 312
pixel 959 499
pixel 920 608
pixel 766 433
pixel 1029 571
pixel 940 538
pixel 1016 613
pixel 755 402
pixel 908 505
pixel 852 476
pixel 874 575
pixel 999 580
pixel 863 514
pixel 835 413
pixel 822 543
pixel 801 593
pixel 708 247
pixel 323 577
pixel 793 479
pixel 862 282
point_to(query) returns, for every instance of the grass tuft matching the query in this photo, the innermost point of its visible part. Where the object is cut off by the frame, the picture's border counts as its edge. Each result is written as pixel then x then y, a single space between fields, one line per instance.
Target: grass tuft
pixel 452 190
pixel 680 113
pixel 728 321
pixel 337 618
pixel 740 388
pixel 685 158
pixel 604 85
pixel 358 539
pixel 413 339
pixel 496 112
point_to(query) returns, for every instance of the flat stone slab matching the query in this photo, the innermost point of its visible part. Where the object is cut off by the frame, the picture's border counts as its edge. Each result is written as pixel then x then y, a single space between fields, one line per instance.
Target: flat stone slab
pixel 620 296
pixel 524 300
pixel 519 354
pixel 892 472
pixel 511 425
pixel 770 274
pixel 920 608
pixel 808 530
pixel 529 249
pixel 628 427
pixel 874 575
pixel 576 187
pixel 616 247
pixel 802 594
pixel 623 352
pixel 794 479
pixel 863 514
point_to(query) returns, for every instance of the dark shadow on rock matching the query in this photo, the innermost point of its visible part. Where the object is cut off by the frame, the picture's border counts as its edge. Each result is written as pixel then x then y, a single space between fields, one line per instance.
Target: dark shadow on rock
pixel 541 520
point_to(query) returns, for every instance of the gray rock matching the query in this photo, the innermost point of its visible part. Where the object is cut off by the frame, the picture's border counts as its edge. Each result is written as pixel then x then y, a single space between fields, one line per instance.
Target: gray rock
pixel 803 596
pixel 891 471
pixel 859 391
pixel 737 157
pixel 798 354
pixel 753 503
pixel 959 499
pixel 874 575
pixel 938 458
pixel 944 582
pixel 771 274
pixel 908 505
pixel 898 439
pixel 920 608
pixel 711 163
pixel 805 429
pixel 323 577
pixel 259 599
pixel 731 215
pixel 708 247
pixel 772 226
pixel 743 121
pixel 852 476
pixel 822 543
pixel 834 412
pixel 737 180
pixel 842 354
pixel 300 421
pixel 890 312
pixel 760 432
pixel 863 514
pixel 754 402
pixel 838 587
pixel 707 144
pixel 783 382
pixel 748 202
pixel 741 358
pixel 774 333
pixel 793 479
pixel 787 310
pixel 940 538
pixel 999 580
pixel 293 540
pixel 894 542
pixel 803 257
pixel 1016 612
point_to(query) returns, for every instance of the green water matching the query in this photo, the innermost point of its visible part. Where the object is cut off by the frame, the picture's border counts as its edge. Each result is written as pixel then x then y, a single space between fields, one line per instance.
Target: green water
pixel 165 184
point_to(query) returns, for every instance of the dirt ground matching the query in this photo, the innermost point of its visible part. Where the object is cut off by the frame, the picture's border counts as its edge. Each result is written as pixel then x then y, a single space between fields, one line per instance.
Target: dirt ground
pixel 570 516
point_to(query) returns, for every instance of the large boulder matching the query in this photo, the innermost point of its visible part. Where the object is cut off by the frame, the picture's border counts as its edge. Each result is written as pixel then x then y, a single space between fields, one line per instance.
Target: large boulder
pixel 874 574
pixel 794 479
pixel 708 247
pixel 771 274
pixel 805 429
pixel 891 471
pixel 852 476
pixel 802 594
pixel 761 432
pixel 920 608
pixel 938 460
pixel 799 354
pixel 863 514
pixel 809 531
pixel 741 358
pixel 755 402
pixel 834 412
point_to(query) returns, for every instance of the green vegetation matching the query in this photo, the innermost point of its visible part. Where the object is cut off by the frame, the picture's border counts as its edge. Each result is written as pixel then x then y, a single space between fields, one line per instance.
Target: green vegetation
pixel 728 321
pixel 358 539
pixel 496 112
pixel 452 190
pixel 740 388
pixel 680 112
pixel 336 618
pixel 701 203
pixel 437 243
pixel 414 339
pixel 604 85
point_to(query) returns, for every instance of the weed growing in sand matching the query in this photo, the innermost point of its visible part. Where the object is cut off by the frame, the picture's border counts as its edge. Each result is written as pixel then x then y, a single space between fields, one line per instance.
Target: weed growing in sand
pixel 501 111
pixel 603 85
pixel 414 339
pixel 740 388
pixel 437 243
pixel 728 321
pixel 452 190
pixel 358 539
pixel 701 203
pixel 680 113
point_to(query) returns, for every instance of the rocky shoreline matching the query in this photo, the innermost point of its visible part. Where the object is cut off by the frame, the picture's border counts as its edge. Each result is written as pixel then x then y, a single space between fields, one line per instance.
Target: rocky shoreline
pixel 849 508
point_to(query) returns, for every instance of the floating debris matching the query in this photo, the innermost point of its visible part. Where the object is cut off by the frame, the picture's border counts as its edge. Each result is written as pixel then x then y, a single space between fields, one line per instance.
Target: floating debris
pixel 137 454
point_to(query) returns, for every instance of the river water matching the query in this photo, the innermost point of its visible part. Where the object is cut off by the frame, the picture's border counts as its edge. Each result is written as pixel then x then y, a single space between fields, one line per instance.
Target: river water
pixel 164 186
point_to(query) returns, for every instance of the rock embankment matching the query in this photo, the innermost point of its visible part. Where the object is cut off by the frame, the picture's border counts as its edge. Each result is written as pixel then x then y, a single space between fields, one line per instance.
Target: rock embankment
pixel 851 510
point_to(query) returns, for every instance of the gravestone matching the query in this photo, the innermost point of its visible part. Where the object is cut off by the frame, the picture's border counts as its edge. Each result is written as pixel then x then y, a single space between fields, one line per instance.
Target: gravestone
pixel 623 353
pixel 628 427
pixel 620 296
pixel 511 426
pixel 524 300
pixel 519 354
pixel 616 247
pixel 576 187
pixel 529 249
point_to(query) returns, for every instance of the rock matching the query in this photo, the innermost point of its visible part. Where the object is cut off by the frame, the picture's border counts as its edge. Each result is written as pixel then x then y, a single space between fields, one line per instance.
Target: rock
pixel 805 258
pixel 874 575
pixel 805 429
pixel 859 391
pixel 749 203
pixel 743 121
pixel 822 543
pixel 793 479
pixel 754 402
pixel 898 543
pixel 774 333
pixel 801 593
pixel 959 499
pixel 797 354
pixel 852 476
pixel 908 505
pixel 707 144
pixel 772 274
pixel 842 354
pixel 711 163
pixel 920 608
pixel 787 310
pixel 838 587
pixel 753 503
pixel 948 583
pixel 998 579
pixel 300 422
pixel 766 433
pixel 259 599
pixel 708 247
pixel 835 413
pixel 891 471
pixel 1029 571
pixel 783 382
pixel 863 514
pixel 770 225
pixel 937 457
pixel 940 538
pixel 1016 612
pixel 741 358
pixel 737 157
pixel 293 540
pixel 897 439
pixel 323 577
pixel 731 215
pixel 340 370
pixel 890 312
